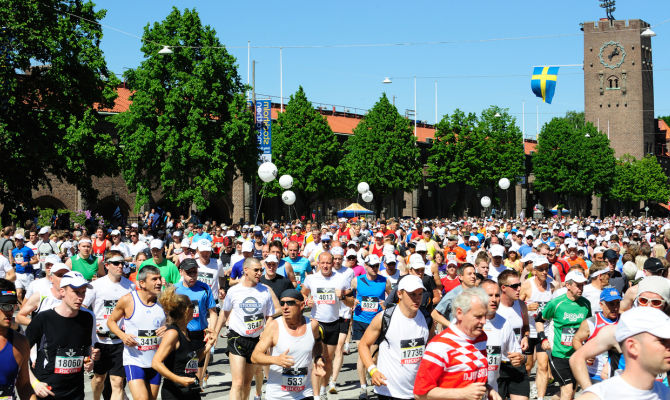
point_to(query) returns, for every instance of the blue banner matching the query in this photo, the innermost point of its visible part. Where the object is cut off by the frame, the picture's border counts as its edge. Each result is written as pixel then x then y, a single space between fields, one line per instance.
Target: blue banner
pixel 263 112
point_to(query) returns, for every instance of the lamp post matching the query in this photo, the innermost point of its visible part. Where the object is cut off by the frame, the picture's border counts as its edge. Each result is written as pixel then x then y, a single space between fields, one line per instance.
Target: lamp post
pixel 388 80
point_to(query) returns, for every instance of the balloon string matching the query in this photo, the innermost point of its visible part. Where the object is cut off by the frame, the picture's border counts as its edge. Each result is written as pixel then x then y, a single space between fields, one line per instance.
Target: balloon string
pixel 259 204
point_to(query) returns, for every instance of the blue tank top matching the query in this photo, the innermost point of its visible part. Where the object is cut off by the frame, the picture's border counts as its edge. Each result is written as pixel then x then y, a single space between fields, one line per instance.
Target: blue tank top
pixel 369 294
pixel 9 369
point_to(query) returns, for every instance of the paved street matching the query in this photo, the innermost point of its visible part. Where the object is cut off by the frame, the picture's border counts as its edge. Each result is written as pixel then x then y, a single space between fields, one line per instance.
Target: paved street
pixel 218 384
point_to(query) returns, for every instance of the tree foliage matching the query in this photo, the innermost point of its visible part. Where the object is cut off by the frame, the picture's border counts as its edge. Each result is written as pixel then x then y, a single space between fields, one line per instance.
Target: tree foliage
pixel 571 160
pixel 304 146
pixel 52 72
pixel 476 151
pixel 382 152
pixel 188 130
pixel 639 180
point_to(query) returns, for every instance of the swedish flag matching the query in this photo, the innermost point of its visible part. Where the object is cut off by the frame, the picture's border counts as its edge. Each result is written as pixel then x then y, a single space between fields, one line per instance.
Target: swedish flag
pixel 543 82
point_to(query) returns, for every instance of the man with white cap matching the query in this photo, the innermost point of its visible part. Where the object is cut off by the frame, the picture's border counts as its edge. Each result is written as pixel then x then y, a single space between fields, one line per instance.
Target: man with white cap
pixel 24 259
pixel 63 337
pixel 496 267
pixel 654 292
pixel 102 298
pixel 169 271
pixel 401 332
pixel 237 271
pixel 567 311
pixel 42 285
pixel 85 262
pixel 278 283
pixel 45 246
pixel 473 249
pixel 119 246
pixel 208 270
pixel 600 277
pixel 644 337
pixel 347 275
pixel 44 297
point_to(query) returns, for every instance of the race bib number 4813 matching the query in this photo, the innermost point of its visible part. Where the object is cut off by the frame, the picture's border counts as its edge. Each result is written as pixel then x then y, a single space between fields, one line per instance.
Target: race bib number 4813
pixel 325 296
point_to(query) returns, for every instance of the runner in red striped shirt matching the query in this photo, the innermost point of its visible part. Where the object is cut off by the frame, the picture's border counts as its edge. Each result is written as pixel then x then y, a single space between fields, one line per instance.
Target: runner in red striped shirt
pixel 454 365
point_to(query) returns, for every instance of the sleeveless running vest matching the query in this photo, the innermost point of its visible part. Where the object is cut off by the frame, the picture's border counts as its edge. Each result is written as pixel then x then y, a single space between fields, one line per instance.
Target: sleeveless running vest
pixel 9 368
pixel 86 266
pixel 369 294
pixel 99 250
pixel 542 298
pixel 143 324
pixel 596 323
pixel 292 383
pixel 182 361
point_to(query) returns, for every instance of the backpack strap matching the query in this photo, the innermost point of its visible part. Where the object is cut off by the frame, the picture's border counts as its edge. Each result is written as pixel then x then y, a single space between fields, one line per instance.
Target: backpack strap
pixel 386 321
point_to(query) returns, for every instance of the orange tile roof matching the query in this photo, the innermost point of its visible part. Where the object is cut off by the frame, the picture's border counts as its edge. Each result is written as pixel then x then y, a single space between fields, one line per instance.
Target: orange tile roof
pixel 663 126
pixel 529 146
pixel 121 104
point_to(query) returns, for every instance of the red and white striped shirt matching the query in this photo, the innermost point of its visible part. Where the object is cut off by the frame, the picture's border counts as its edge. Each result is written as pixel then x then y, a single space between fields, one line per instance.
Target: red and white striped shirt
pixel 452 360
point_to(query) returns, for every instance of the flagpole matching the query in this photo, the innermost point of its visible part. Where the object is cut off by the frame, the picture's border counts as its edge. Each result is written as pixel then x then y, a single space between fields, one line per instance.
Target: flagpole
pixel 537 119
pixel 559 65
pixel 523 119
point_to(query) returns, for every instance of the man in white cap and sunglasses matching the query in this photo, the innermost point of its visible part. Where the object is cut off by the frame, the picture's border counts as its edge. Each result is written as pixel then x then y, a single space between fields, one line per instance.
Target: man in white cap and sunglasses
pixel 102 299
pixel 644 337
pixel 63 336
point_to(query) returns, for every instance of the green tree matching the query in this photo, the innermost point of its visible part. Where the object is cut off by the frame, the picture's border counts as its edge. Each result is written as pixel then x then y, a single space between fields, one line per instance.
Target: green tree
pixel 382 152
pixel 639 180
pixel 573 161
pixel 503 151
pixel 304 146
pixel 454 154
pixel 52 72
pixel 188 130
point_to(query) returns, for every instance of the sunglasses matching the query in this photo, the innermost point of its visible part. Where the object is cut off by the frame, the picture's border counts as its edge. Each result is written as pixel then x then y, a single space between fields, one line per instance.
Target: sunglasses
pixel 116 263
pixel 647 302
pixel 514 286
pixel 7 307
pixel 289 303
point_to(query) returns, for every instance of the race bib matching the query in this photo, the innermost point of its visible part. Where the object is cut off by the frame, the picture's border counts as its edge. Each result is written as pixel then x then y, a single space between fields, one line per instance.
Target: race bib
pixel 18 258
pixel 451 256
pixel 196 309
pixel 253 323
pixel 567 334
pixel 293 379
pixel 147 340
pixel 108 307
pixel 369 304
pixel 192 364
pixel 68 361
pixel 325 296
pixel 411 350
pixel 206 277
pixel 493 357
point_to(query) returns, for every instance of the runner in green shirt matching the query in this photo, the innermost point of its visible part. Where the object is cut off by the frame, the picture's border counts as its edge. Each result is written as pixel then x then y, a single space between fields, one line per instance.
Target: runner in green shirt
pixel 84 262
pixel 168 270
pixel 567 311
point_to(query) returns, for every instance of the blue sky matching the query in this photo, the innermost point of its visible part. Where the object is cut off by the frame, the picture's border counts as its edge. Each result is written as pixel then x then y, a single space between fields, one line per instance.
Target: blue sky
pixel 471 72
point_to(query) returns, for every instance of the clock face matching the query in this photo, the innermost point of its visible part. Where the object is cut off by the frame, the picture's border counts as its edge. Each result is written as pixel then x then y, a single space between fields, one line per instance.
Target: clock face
pixel 612 54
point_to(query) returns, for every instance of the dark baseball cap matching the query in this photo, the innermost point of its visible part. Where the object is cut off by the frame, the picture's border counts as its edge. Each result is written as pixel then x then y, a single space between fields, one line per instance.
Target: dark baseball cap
pixel 610 254
pixel 292 293
pixel 653 264
pixel 188 263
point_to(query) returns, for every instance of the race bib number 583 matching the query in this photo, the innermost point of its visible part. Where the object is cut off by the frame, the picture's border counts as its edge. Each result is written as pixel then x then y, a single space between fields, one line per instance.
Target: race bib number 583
pixel 293 379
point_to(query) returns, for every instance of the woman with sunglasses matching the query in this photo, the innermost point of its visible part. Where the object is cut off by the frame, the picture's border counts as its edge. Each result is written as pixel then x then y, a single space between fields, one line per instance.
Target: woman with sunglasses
pixel 177 356
pixel 14 348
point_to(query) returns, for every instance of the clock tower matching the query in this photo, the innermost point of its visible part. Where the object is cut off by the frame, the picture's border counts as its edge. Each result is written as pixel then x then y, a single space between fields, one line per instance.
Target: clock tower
pixel 618 84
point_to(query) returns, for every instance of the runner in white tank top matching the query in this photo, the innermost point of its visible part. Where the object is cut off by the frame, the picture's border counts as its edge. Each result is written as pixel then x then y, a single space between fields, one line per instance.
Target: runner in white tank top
pixel 143 320
pixel 292 338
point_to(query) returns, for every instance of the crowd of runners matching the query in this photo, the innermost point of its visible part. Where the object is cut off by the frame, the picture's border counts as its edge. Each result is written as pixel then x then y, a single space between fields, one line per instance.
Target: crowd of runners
pixel 435 309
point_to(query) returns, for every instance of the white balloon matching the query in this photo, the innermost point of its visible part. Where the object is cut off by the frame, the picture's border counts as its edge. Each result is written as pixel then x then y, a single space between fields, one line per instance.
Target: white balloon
pixel 486 201
pixel 367 196
pixel 288 197
pixel 267 172
pixel 286 181
pixel 363 187
pixel 503 183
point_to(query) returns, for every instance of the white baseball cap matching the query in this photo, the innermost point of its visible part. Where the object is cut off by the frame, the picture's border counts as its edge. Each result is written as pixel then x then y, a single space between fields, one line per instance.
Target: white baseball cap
pixel 390 258
pixel 540 260
pixel 575 276
pixel 410 283
pixel 52 259
pixel 337 251
pixel 204 245
pixel 185 242
pixel 156 244
pixel 421 246
pixel 497 250
pixel 643 319
pixel 74 279
pixel 115 232
pixel 59 266
pixel 351 253
pixel 18 236
pixel 247 247
pixel 271 258
pixel 372 259
pixel 45 229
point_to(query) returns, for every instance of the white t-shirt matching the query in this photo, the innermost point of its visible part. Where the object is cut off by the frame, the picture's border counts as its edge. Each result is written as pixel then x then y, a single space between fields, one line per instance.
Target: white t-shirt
pixel 41 286
pixel 500 341
pixel 209 274
pixel 136 247
pixel 617 388
pixel 309 248
pixel 323 291
pixel 347 275
pixel 495 271
pixel 102 299
pixel 235 258
pixel 249 307
pixel 5 266
pixel 593 296
pixel 123 248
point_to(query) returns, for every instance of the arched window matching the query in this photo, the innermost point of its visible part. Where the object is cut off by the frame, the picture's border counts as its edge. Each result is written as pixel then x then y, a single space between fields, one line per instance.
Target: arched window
pixel 613 82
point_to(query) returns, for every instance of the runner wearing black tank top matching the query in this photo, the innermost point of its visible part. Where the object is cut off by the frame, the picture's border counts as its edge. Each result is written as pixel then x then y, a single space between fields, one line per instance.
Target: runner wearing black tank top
pixel 177 356
pixel 14 348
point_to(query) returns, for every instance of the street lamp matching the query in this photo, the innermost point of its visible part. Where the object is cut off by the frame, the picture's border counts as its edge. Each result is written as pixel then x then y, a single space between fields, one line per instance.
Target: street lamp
pixel 165 50
pixel 387 80
pixel 648 33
